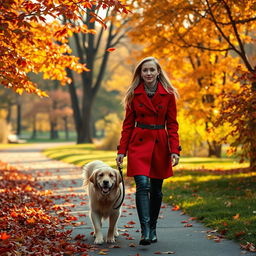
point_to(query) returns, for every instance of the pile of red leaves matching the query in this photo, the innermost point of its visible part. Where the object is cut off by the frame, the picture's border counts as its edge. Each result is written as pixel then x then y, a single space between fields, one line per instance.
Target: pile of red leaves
pixel 30 223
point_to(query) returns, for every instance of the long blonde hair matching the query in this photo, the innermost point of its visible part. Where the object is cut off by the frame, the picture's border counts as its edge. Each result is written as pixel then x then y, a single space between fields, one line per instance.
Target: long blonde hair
pixel 136 80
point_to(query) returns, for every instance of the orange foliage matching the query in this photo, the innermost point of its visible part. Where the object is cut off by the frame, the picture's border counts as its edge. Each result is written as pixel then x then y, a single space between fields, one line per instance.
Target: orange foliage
pixel 29 44
pixel 201 44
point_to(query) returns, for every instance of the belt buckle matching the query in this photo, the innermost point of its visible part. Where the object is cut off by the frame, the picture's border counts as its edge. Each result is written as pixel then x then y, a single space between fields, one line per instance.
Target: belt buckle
pixel 154 126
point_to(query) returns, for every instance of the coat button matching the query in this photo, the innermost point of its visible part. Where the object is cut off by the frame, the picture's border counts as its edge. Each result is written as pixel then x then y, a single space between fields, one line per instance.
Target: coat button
pixel 140 139
pixel 160 106
pixel 157 140
pixel 141 105
pixel 142 115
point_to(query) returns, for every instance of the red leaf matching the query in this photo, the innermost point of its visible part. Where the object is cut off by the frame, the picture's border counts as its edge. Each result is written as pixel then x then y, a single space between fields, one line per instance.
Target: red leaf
pixel 4 236
pixel 175 208
pixel 111 49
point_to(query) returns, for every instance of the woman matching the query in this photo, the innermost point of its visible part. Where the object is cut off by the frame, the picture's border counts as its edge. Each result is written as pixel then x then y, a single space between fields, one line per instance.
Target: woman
pixel 150 140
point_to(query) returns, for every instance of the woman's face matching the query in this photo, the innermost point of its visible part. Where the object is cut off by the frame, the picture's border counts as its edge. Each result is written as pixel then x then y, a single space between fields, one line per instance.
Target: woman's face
pixel 149 72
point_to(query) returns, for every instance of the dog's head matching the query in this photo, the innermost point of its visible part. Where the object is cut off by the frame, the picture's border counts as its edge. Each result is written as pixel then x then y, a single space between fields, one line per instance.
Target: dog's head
pixel 105 179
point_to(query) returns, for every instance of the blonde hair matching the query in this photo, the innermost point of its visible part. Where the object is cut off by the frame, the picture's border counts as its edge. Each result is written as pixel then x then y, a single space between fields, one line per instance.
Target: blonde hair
pixel 136 80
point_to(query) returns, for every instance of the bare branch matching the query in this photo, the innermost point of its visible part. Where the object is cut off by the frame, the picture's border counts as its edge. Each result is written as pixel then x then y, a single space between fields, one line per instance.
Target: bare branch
pixel 242 53
pixel 220 30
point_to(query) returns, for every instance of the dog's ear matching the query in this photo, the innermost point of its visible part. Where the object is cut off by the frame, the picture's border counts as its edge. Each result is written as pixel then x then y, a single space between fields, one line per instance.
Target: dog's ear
pixel 93 176
pixel 118 177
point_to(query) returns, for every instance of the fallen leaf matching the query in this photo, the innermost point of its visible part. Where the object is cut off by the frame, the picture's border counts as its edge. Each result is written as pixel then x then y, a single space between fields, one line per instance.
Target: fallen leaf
pixel 188 225
pixel 4 236
pixel 248 246
pixel 114 246
pixel 128 226
pixel 236 217
pixel 238 234
pixel 175 208
pixel 102 253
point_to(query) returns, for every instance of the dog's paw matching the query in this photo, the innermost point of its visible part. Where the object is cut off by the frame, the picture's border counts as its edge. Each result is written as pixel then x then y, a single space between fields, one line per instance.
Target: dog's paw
pixel 99 240
pixel 111 240
pixel 116 233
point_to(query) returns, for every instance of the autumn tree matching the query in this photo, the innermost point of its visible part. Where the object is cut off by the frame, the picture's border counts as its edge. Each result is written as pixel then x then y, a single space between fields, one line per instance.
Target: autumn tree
pixel 29 44
pixel 94 50
pixel 189 31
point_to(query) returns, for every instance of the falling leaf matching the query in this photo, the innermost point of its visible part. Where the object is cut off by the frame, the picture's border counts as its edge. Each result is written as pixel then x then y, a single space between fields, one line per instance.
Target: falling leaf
pixel 111 49
pixel 132 245
pixel 184 221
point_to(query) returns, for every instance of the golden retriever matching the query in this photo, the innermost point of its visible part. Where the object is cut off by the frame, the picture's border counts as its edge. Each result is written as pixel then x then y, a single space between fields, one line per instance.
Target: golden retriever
pixel 104 190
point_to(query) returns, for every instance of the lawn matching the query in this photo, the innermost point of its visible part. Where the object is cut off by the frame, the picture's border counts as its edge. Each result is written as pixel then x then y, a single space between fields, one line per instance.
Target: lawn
pixel 225 201
pixel 218 192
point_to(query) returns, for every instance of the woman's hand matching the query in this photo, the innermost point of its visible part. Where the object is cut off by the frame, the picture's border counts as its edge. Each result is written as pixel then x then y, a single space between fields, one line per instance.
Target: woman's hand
pixel 175 159
pixel 119 159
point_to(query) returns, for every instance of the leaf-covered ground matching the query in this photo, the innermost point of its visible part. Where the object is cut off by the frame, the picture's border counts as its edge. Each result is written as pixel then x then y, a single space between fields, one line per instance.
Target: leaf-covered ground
pixel 30 222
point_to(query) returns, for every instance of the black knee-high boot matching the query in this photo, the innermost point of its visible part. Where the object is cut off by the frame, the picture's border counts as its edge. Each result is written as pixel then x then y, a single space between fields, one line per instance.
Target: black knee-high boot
pixel 155 205
pixel 142 204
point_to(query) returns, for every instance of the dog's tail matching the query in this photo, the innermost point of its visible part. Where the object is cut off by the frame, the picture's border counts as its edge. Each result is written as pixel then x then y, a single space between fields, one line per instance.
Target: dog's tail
pixel 85 175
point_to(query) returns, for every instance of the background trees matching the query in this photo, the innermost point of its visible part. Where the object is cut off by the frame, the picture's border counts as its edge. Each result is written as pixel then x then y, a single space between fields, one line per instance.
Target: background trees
pixel 203 43
pixel 28 44
pixel 93 49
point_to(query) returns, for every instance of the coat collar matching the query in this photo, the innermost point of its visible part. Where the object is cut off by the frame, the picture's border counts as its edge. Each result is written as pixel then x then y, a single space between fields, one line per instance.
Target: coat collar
pixel 140 89
pixel 146 100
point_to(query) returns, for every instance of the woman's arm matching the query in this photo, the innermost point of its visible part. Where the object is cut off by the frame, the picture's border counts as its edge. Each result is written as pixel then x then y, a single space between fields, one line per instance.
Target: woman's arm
pixel 128 126
pixel 173 126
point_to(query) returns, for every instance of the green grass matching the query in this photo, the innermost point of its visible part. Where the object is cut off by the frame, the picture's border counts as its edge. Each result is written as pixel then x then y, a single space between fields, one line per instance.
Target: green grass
pixel 214 197
pixel 81 154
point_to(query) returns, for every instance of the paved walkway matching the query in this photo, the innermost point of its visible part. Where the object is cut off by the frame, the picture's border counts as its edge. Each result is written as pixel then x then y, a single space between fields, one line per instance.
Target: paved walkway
pixel 174 238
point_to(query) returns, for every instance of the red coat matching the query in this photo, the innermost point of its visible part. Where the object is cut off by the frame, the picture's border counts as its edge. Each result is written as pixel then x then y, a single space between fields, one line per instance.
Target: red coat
pixel 149 151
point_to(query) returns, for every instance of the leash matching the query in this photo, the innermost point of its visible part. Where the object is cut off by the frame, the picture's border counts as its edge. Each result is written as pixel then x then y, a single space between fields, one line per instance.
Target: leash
pixel 121 194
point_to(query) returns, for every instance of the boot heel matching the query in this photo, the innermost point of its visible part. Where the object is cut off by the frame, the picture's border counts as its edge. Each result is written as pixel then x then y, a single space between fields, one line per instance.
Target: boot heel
pixel 145 237
pixel 153 237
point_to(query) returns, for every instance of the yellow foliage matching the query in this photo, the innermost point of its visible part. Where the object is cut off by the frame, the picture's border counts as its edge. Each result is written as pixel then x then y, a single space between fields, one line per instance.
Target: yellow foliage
pixel 112 128
pixel 4 131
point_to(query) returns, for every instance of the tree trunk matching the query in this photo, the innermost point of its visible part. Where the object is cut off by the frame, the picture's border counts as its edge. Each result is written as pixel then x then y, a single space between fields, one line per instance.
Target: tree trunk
pixel 18 129
pixel 34 133
pixel 66 127
pixel 9 113
pixel 214 149
pixel 54 133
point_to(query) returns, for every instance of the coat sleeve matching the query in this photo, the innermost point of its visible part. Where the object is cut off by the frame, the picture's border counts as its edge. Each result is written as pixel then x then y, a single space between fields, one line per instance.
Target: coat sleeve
pixel 173 126
pixel 127 129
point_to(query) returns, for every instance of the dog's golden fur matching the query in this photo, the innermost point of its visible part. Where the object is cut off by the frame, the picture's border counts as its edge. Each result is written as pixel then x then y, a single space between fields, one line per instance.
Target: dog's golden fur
pixel 104 189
